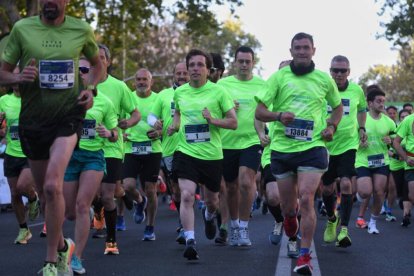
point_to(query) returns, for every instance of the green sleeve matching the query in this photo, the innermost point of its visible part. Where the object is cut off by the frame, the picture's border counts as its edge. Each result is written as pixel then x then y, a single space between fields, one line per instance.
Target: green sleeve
pixel 12 51
pixel 269 93
pixel 332 97
pixel 157 109
pixel 227 102
pixel 90 49
pixel 127 102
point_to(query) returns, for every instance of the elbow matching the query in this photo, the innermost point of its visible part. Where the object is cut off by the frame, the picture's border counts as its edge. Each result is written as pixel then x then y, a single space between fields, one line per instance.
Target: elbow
pixel 234 124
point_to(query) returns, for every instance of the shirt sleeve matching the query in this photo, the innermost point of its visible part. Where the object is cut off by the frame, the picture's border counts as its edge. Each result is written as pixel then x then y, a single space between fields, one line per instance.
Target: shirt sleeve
pixel 332 96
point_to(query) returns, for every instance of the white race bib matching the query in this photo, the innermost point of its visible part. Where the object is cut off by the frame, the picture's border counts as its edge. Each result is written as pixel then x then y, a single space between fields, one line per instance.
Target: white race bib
pixel 376 161
pixel 141 148
pixel 14 133
pixel 88 130
pixel 197 133
pixel 299 129
pixel 56 74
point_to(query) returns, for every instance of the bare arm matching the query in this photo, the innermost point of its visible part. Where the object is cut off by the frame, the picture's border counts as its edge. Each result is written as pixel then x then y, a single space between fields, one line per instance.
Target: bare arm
pixel 132 121
pixel 362 117
pixel 264 115
pixel 175 126
pixel 333 122
pixel 28 74
pixel 401 152
pixel 228 122
pixel 260 129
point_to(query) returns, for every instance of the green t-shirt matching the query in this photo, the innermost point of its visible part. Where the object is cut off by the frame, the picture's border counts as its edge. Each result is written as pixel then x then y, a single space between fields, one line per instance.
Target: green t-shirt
pixel 197 138
pixel 164 108
pixel 346 136
pixel 306 97
pixel 265 159
pixel 102 112
pixel 10 104
pixel 405 131
pixel 376 154
pixel 56 50
pixel 243 92
pixel 139 143
pixel 121 96
pixel 395 162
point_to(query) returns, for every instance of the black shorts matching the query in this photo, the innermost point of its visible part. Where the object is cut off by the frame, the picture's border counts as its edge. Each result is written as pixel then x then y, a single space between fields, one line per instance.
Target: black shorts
pixel 113 170
pixel 364 171
pixel 12 165
pixel 207 172
pixel 409 175
pixel 267 176
pixel 342 165
pixel 36 141
pixel 400 184
pixel 147 167
pixel 234 159
pixel 287 164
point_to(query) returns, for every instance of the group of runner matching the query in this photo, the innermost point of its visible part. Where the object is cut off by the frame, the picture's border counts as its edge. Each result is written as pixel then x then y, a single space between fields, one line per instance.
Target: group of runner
pixel 78 137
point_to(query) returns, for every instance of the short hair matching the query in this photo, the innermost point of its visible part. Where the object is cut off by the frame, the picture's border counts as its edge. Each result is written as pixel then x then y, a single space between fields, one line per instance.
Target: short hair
pixel 407 104
pixel 372 87
pixel 217 61
pixel 197 52
pixel 374 92
pixel 339 58
pixel 300 36
pixel 402 111
pixel 391 107
pixel 244 49
pixel 106 50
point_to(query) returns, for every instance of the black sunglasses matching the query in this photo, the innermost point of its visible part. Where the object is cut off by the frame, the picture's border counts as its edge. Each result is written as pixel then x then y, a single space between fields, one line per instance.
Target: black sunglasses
pixel 213 70
pixel 337 70
pixel 84 70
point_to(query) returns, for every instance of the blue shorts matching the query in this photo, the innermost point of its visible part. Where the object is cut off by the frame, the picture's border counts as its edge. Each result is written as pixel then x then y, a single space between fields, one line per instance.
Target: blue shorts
pixel 84 160
pixel 369 172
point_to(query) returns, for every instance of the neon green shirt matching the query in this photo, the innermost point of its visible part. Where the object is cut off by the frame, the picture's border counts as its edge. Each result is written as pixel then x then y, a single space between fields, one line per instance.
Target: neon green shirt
pixel 10 104
pixel 395 162
pixel 139 143
pixel 405 131
pixel 164 108
pixel 305 96
pixel 102 112
pixel 346 136
pixel 376 154
pixel 121 96
pixel 265 159
pixel 197 138
pixel 243 92
pixel 56 50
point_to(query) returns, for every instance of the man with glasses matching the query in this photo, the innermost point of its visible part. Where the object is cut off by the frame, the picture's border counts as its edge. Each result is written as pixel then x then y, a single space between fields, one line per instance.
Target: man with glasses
pixel 241 147
pixel 350 132
pixel 217 70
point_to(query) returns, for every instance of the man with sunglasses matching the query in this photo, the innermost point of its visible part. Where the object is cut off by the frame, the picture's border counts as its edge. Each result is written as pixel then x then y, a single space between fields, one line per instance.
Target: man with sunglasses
pixel 47 48
pixel 241 147
pixel 217 70
pixel 342 150
pixel 299 156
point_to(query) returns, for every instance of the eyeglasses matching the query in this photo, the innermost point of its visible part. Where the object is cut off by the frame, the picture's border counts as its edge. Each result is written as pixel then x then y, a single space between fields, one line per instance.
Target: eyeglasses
pixel 337 70
pixel 84 70
pixel 213 70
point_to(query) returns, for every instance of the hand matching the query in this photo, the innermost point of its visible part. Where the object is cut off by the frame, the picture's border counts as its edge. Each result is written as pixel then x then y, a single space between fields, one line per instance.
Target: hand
pixel 410 162
pixel 236 105
pixel 171 130
pixel 363 144
pixel 287 118
pixel 158 124
pixel 125 136
pixel 387 140
pixel 264 140
pixel 123 123
pixel 153 134
pixel 206 114
pixel 85 98
pixel 102 131
pixel 362 136
pixel 327 134
pixel 29 72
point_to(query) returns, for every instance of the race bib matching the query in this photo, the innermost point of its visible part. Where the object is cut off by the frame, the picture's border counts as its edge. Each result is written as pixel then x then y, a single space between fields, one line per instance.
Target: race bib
pixel 197 133
pixel 299 129
pixel 88 130
pixel 172 108
pixel 376 161
pixel 346 104
pixel 56 74
pixel 141 148
pixel 14 133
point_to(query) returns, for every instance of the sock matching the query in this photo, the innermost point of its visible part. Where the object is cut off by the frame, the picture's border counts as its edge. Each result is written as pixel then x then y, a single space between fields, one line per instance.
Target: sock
pixel 189 235
pixel 24 225
pixel 276 212
pixel 209 216
pixel 97 205
pixel 223 226
pixel 346 209
pixel 65 247
pixel 234 223
pixel 330 204
pixel 244 224
pixel 304 251
pixel 110 220
pixel 373 219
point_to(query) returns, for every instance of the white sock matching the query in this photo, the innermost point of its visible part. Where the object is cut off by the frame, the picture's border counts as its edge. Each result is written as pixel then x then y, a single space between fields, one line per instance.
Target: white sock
pixel 373 219
pixel 234 223
pixel 189 235
pixel 244 223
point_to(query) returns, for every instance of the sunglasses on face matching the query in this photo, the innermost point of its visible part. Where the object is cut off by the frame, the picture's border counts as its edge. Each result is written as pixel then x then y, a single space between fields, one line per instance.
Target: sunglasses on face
pixel 213 70
pixel 84 70
pixel 341 70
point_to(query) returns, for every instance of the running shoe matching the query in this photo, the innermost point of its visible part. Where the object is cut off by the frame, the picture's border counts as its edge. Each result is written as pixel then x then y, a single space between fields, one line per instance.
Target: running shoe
pixel 190 251
pixel 99 219
pixel 303 266
pixel 234 236
pixel 343 238
pixel 291 226
pixel 293 249
pixel 139 213
pixel 23 236
pixel 222 238
pixel 406 221
pixel 149 234
pixel 181 237
pixel 64 258
pixel 120 223
pixel 99 234
pixel 244 239
pixel 372 228
pixel 48 269
pixel 162 187
pixel 43 233
pixel 34 209
pixel 172 206
pixel 209 225
pixel 111 248
pixel 321 209
pixel 361 223
pixel 77 266
pixel 390 217
pixel 277 233
pixel 330 231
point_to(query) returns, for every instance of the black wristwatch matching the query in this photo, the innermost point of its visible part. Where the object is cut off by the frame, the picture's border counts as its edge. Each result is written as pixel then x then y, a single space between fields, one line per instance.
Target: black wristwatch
pixel 363 128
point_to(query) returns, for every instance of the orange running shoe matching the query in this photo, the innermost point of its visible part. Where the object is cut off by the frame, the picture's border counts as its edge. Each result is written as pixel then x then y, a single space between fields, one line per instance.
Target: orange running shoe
pixel 361 223
pixel 99 220
pixel 111 248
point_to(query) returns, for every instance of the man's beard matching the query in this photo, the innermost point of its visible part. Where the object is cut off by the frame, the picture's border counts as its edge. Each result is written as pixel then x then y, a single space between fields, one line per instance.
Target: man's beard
pixel 50 11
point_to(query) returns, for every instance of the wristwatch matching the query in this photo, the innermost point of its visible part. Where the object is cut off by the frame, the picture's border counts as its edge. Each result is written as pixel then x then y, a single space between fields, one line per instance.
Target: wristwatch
pixel 92 88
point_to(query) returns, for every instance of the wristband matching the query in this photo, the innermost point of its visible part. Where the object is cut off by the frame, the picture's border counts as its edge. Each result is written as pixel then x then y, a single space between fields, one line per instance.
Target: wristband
pixel 112 134
pixel 332 125
pixel 363 128
pixel 279 116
